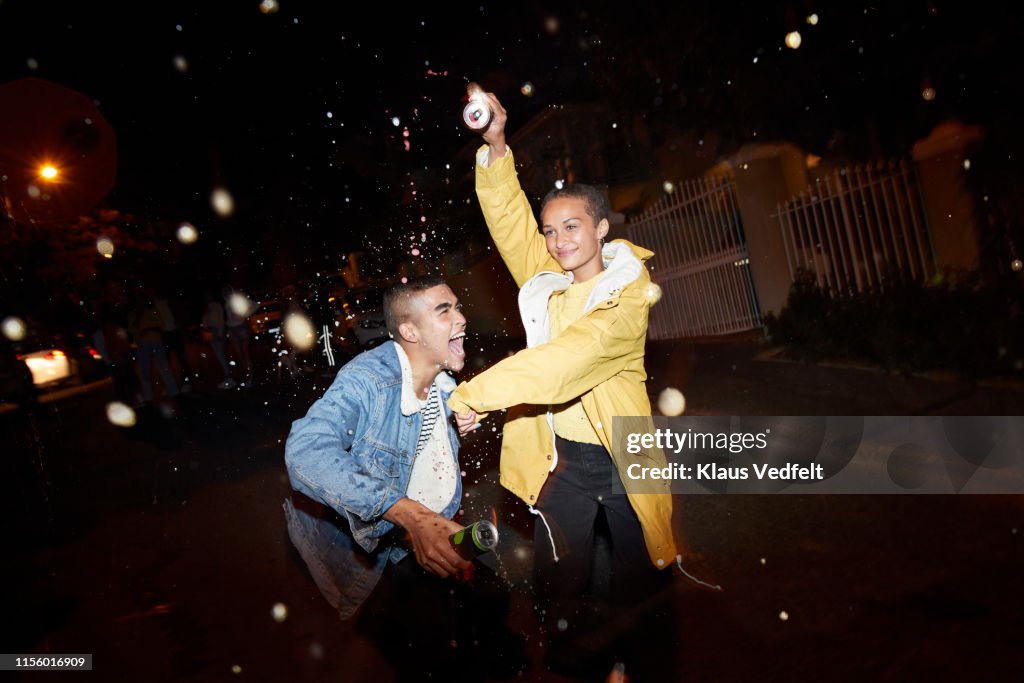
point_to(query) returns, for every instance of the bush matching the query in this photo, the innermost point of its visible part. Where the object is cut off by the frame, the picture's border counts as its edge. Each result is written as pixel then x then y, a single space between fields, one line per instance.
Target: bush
pixel 908 326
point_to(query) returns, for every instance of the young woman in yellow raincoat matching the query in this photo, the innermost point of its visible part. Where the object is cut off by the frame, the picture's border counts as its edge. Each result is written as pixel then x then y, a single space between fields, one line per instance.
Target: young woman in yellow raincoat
pixel 584 305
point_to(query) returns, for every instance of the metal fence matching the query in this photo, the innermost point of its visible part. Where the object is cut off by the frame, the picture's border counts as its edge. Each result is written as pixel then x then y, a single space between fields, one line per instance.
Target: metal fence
pixel 701 261
pixel 857 227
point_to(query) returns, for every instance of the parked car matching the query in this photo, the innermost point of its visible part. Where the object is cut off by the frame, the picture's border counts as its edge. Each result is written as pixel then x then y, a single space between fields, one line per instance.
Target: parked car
pixel 16 382
pixel 364 312
pixel 267 318
pixel 59 359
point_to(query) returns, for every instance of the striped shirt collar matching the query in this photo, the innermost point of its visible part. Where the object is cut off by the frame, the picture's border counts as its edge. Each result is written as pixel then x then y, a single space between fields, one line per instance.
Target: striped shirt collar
pixel 410 402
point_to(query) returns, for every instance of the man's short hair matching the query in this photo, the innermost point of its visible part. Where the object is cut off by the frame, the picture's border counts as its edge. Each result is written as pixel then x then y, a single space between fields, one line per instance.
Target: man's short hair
pixel 593 198
pixel 396 308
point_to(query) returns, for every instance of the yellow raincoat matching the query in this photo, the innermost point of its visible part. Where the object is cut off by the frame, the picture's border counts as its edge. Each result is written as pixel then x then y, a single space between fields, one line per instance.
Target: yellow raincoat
pixel 599 358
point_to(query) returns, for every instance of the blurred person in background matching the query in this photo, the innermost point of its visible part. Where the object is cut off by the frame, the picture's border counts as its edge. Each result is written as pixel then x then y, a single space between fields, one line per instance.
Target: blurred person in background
pixel 172 316
pixel 291 304
pixel 147 328
pixel 215 333
pixel 112 340
pixel 237 310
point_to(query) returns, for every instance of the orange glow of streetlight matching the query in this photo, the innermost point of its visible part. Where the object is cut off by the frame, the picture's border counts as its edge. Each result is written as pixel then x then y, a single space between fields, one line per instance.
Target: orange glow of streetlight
pixel 48 172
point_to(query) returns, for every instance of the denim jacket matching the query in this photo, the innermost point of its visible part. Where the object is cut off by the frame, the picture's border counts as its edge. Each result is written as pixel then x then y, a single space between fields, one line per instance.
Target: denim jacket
pixel 353 453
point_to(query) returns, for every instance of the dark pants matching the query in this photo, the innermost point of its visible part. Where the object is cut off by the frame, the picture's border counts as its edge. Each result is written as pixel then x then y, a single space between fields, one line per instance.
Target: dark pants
pixel 441 629
pixel 174 342
pixel 126 383
pixel 597 607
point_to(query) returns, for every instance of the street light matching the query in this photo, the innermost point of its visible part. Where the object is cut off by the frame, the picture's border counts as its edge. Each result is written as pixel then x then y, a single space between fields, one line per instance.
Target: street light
pixel 57 140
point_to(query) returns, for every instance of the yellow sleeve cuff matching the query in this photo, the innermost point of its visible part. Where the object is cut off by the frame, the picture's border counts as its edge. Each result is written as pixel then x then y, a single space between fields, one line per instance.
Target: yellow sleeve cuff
pixel 500 172
pixel 457 405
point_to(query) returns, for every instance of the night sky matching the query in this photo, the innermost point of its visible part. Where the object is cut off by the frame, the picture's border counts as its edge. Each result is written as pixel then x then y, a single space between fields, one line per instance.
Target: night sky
pixel 293 111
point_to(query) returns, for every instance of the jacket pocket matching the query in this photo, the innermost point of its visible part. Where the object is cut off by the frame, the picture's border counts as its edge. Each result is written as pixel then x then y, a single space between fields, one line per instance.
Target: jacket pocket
pixel 385 462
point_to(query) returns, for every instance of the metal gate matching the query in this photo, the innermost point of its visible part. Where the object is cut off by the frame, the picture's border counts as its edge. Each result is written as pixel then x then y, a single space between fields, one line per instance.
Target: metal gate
pixel 701 261
pixel 858 227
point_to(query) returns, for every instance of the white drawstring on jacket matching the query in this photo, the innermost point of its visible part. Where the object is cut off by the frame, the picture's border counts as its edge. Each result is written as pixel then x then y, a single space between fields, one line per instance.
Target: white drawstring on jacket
pixel 551 537
pixel 679 563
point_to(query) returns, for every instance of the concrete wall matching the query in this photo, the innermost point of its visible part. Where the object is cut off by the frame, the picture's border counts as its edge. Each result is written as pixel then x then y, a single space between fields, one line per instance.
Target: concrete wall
pixel 949 206
pixel 767 174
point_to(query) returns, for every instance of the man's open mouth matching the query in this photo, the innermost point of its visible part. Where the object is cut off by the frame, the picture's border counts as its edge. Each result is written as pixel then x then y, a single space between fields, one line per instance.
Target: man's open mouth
pixel 455 345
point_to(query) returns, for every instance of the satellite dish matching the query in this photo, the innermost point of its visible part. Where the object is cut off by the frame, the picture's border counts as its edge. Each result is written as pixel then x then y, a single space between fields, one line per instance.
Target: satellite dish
pixel 58 154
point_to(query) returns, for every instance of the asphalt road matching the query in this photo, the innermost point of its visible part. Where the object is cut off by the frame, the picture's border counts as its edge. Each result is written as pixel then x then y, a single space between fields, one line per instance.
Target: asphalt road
pixel 162 549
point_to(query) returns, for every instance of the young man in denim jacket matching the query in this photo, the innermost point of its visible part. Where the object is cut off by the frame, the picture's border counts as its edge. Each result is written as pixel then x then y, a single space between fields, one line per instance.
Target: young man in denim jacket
pixel 378 451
